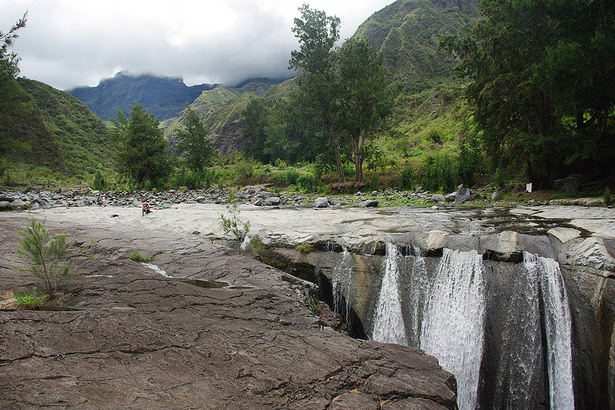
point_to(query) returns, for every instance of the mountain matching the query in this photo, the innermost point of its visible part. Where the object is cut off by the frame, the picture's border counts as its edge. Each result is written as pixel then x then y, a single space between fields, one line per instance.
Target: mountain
pixel 407 33
pixel 66 140
pixel 165 97
pixel 220 110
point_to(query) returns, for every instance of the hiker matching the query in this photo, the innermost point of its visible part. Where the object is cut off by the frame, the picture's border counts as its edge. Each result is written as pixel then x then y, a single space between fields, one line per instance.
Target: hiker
pixel 145 208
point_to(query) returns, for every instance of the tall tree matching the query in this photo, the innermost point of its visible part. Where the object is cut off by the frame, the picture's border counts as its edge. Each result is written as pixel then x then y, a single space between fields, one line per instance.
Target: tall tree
pixel 141 147
pixel 542 81
pixel 317 34
pixel 9 60
pixel 194 141
pixel 364 100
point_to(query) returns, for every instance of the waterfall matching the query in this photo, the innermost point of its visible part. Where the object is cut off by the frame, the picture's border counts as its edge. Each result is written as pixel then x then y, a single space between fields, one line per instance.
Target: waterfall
pixel 558 325
pixel 388 323
pixel 417 291
pixel 453 321
pixel 341 279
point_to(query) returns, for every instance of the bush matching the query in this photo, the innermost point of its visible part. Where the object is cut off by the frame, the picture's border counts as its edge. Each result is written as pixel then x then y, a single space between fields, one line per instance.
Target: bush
pixel 307 182
pixel 45 256
pixel 233 224
pixel 29 301
pixel 99 183
pixel 607 197
pixel 439 173
pixel 305 248
pixel 287 178
pixel 407 177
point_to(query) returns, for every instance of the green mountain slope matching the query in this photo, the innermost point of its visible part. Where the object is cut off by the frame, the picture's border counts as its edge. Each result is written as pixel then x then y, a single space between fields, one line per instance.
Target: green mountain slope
pixel 407 33
pixel 67 140
pixel 220 110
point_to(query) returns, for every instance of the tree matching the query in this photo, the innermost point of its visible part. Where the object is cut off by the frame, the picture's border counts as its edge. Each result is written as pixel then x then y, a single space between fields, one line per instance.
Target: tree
pixel 542 82
pixel 194 141
pixel 141 148
pixel 9 60
pixel 364 100
pixel 46 257
pixel 317 34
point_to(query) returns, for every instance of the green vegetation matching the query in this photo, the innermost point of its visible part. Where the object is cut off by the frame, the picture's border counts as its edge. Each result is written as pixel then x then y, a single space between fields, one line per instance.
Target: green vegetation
pixel 545 101
pixel 305 248
pixel 44 256
pixel 141 148
pixel 194 141
pixel 232 223
pixel 30 301
pixel 136 256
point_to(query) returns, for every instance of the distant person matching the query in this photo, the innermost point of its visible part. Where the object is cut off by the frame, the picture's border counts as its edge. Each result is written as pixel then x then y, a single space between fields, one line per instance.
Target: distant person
pixel 145 209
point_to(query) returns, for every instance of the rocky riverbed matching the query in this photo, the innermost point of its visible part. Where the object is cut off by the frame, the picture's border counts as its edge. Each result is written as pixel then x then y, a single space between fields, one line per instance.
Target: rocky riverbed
pixel 156 335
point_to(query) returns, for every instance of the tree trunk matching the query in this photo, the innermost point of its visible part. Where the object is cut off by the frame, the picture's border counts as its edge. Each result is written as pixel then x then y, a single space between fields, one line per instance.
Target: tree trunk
pixel 336 152
pixel 358 161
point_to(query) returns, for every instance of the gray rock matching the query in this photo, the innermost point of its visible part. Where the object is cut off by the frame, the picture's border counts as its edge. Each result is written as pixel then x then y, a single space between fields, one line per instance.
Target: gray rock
pixel 438 198
pixel 496 196
pixel 19 205
pixel 569 184
pixel 463 195
pixel 321 202
pixel 451 197
pixel 4 205
pixel 369 203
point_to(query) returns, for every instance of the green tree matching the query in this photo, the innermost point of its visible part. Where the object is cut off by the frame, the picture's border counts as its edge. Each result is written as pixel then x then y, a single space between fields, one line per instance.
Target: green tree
pixel 254 124
pixel 141 148
pixel 317 34
pixel 9 60
pixel 542 82
pixel 194 141
pixel 46 257
pixel 364 100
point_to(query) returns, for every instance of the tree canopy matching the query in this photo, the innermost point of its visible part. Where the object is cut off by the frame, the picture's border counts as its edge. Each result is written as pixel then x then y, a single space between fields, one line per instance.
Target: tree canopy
pixel 543 83
pixel 141 148
pixel 194 141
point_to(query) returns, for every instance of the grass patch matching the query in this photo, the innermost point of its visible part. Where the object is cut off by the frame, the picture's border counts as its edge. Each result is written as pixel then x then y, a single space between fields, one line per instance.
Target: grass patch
pixel 29 301
pixel 138 257
pixel 305 248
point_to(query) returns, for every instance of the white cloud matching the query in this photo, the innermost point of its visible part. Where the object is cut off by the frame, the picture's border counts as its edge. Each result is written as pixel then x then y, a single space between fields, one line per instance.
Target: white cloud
pixel 68 43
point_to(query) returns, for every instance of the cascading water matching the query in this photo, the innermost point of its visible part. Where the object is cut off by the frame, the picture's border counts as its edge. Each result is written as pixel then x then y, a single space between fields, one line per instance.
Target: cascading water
pixel 453 321
pixel 342 275
pixel 418 292
pixel 388 323
pixel 558 327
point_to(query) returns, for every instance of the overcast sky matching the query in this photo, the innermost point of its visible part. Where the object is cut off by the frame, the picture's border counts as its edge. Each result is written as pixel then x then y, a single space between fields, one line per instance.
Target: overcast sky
pixel 69 43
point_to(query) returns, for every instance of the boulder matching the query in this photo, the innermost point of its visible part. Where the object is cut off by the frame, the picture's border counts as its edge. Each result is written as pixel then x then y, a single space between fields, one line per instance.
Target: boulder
pixel 438 198
pixel 369 203
pixel 322 202
pixel 4 205
pixel 451 197
pixel 463 195
pixel 569 184
pixel 19 205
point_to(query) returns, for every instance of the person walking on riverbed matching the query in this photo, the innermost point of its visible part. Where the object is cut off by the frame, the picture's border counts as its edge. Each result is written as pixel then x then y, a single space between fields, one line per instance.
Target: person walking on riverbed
pixel 145 209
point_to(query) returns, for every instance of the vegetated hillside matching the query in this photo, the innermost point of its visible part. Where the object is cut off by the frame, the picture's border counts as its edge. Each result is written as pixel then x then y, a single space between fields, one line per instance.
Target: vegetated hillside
pixel 82 137
pixel 67 141
pixel 22 121
pixel 220 110
pixel 164 97
pixel 407 33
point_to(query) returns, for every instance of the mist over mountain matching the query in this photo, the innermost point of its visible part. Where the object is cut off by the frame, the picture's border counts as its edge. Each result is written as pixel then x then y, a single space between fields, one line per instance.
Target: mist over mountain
pixel 164 97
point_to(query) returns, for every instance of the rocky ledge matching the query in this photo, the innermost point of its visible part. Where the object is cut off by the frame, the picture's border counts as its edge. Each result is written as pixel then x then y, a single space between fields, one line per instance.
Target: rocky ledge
pixel 137 335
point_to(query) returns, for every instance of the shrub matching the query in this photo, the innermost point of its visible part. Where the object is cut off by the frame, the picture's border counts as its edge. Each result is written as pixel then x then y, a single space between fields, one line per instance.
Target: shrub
pixel 45 256
pixel 307 182
pixel 305 248
pixel 607 196
pixel 233 224
pixel 99 183
pixel 287 178
pixel 407 177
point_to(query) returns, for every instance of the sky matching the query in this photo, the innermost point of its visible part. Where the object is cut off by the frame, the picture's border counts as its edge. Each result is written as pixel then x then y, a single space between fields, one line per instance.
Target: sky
pixel 70 43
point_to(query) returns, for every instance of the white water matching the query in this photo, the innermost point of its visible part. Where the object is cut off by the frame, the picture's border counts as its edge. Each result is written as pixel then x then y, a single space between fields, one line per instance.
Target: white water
pixel 342 275
pixel 453 321
pixel 418 293
pixel 388 323
pixel 558 329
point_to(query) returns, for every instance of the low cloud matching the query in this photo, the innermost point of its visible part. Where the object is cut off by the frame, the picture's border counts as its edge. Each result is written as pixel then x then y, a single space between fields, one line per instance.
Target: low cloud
pixel 72 43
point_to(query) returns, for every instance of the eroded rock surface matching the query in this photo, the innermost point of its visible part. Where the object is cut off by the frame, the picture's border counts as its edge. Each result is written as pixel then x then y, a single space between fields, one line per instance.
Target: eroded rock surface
pixel 140 339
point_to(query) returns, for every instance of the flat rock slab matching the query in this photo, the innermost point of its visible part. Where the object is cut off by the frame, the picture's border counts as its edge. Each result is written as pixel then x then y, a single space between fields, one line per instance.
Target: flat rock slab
pixel 140 339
